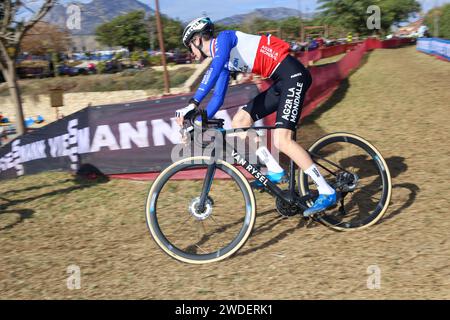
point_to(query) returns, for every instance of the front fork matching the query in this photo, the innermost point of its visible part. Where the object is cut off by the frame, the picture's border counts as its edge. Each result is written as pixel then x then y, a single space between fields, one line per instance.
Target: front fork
pixel 207 185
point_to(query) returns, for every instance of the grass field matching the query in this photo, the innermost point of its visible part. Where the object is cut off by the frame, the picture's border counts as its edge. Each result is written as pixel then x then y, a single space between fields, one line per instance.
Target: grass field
pixel 398 100
pixel 127 80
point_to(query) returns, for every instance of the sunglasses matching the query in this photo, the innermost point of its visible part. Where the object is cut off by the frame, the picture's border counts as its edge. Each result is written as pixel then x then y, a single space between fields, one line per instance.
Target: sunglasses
pixel 190 45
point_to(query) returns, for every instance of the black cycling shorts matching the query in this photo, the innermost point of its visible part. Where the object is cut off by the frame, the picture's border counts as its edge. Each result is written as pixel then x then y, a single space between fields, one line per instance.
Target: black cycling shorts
pixel 286 96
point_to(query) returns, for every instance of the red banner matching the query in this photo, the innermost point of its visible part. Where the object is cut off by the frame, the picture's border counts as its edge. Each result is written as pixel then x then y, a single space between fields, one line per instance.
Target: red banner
pixel 333 51
pixel 325 52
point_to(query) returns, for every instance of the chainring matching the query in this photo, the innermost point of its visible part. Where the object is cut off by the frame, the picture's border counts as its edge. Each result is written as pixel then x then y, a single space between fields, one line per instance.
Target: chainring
pixel 285 209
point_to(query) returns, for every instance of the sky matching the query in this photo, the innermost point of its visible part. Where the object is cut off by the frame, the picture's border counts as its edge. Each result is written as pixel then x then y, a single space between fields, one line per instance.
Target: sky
pixel 228 8
pixel 217 10
pixel 178 8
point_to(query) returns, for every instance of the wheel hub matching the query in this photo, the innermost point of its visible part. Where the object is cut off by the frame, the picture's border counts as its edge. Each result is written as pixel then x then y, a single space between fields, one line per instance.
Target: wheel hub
pixel 346 181
pixel 196 213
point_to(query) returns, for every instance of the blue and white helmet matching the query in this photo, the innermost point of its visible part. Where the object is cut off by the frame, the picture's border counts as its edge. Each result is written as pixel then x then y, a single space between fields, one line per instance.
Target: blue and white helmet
pixel 202 25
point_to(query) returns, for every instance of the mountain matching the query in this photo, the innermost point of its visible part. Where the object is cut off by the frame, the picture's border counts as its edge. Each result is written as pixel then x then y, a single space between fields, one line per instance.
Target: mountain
pixel 94 13
pixel 265 13
pixel 97 12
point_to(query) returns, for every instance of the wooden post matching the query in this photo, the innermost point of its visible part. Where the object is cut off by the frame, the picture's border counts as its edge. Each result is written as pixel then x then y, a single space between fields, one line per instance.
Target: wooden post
pixel 56 100
pixel 161 46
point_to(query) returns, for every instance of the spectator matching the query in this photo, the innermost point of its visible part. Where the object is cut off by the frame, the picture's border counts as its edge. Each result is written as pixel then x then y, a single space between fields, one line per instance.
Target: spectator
pixel 320 41
pixel 313 45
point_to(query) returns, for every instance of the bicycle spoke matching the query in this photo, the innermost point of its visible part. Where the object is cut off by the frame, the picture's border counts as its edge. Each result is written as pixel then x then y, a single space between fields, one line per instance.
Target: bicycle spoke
pixel 221 228
pixel 369 187
pixel 212 218
pixel 368 193
pixel 205 252
pixel 330 162
pixel 200 236
pixel 203 227
pixel 181 225
pixel 199 231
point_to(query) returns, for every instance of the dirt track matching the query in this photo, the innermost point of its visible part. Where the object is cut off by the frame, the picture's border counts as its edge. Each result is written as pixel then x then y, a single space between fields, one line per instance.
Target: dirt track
pixel 399 100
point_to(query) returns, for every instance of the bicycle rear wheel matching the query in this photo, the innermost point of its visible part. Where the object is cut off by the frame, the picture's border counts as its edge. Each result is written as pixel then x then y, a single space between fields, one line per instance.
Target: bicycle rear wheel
pixel 189 234
pixel 357 170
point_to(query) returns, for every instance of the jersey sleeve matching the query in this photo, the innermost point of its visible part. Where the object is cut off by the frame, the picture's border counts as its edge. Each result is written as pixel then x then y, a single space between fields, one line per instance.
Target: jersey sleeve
pixel 219 63
pixel 220 91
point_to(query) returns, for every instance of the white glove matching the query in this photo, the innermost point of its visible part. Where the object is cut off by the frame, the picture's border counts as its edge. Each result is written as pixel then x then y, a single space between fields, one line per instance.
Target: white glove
pixel 180 113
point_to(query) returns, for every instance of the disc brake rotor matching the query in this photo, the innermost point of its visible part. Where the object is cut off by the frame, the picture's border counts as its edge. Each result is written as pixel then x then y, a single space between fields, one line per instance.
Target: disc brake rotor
pixel 346 182
pixel 194 208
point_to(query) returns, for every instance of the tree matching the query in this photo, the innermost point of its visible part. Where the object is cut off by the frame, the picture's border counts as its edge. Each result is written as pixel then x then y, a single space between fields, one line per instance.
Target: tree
pixel 396 11
pixel 45 38
pixel 12 30
pixel 128 31
pixel 134 30
pixel 218 28
pixel 290 27
pixel 440 16
pixel 353 15
pixel 172 31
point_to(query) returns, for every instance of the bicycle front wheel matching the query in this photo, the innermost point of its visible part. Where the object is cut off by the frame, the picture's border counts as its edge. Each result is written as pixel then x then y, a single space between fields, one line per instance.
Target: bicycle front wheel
pixel 357 170
pixel 200 235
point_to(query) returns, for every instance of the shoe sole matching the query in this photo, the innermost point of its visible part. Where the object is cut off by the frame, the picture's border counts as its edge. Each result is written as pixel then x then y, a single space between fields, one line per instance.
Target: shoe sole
pixel 319 211
pixel 309 215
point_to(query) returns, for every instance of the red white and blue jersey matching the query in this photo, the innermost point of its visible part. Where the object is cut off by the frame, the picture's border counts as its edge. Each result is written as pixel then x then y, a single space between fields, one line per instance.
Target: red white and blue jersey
pixel 238 51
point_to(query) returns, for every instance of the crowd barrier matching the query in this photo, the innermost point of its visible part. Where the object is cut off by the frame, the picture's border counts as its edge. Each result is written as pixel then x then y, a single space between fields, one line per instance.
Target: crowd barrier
pixel 373 43
pixel 116 139
pixel 125 140
pixel 306 57
pixel 435 46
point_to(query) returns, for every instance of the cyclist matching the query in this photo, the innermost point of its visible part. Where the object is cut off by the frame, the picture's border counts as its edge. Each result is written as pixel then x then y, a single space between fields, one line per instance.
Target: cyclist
pixel 269 57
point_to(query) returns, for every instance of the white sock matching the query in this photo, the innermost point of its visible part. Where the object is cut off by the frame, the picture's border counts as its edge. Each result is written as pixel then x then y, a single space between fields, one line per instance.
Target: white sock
pixel 322 185
pixel 269 161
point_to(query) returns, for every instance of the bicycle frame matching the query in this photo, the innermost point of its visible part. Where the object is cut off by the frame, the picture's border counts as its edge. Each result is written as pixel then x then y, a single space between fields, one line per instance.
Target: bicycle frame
pixel 289 197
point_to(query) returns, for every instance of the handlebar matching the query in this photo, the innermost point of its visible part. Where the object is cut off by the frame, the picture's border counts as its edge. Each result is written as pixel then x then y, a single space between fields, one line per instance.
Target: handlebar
pixel 193 131
pixel 205 122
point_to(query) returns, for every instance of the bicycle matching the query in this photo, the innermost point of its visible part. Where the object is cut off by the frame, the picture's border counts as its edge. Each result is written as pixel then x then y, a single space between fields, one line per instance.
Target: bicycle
pixel 363 183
